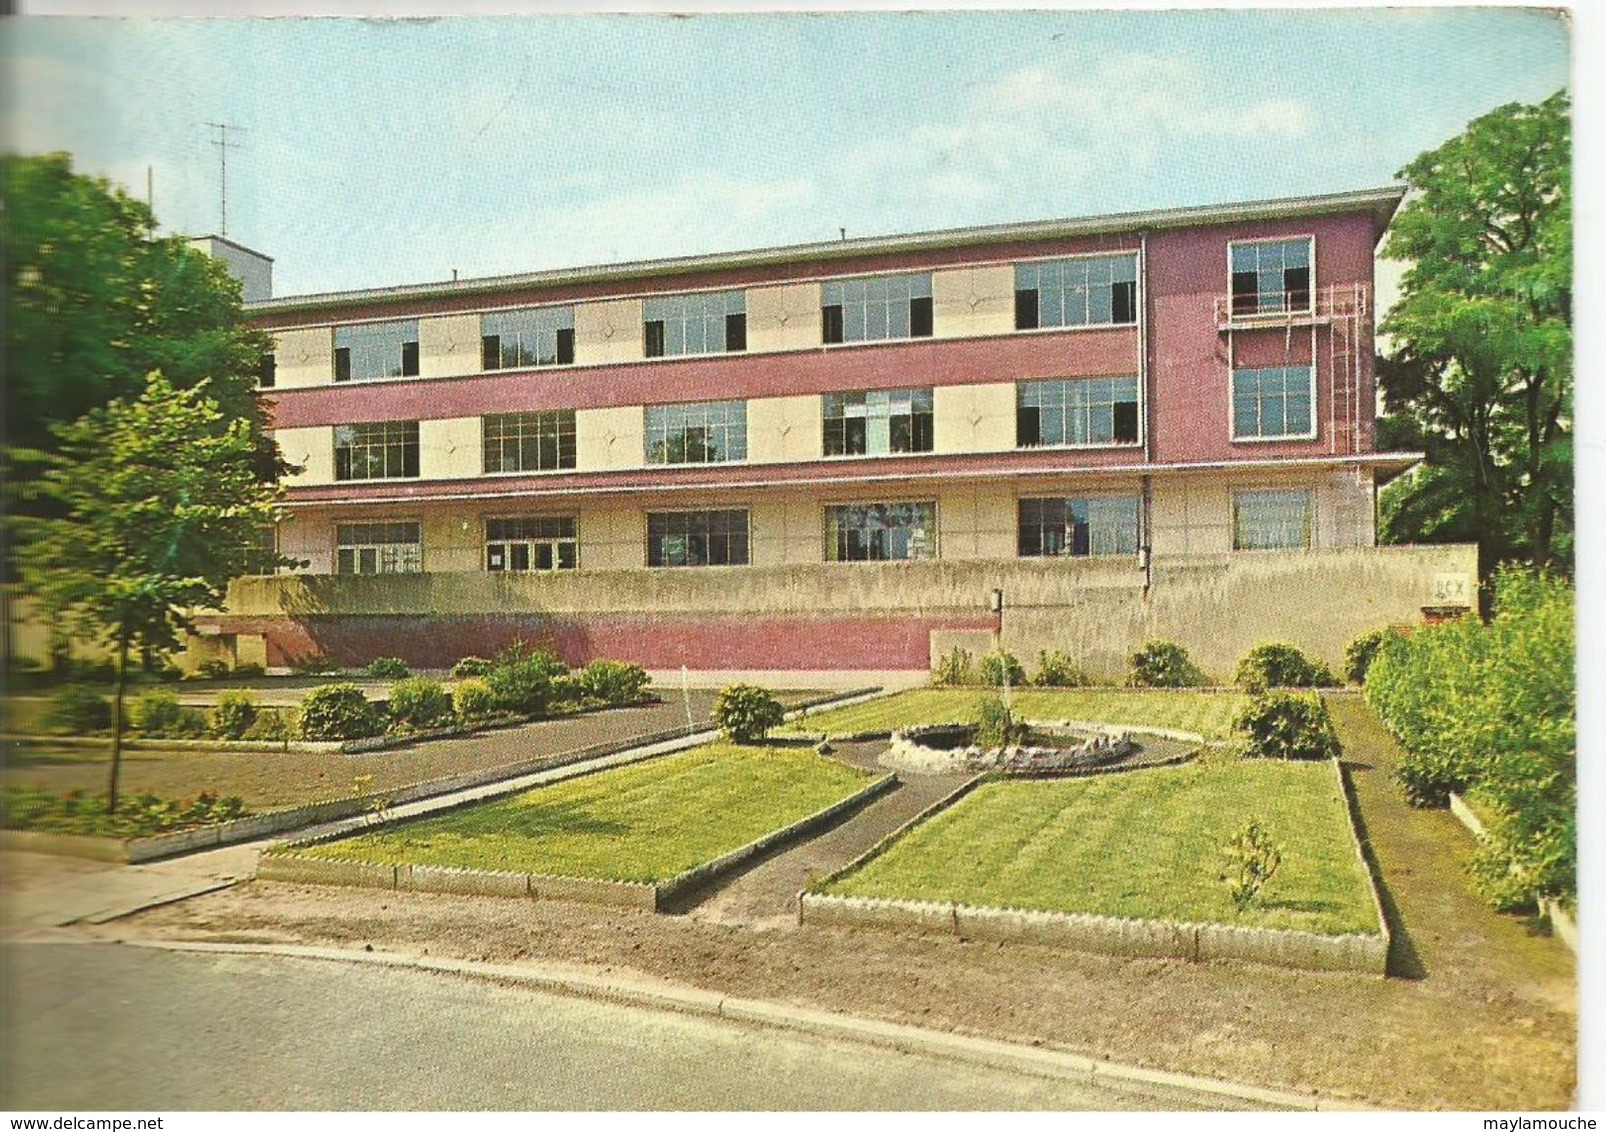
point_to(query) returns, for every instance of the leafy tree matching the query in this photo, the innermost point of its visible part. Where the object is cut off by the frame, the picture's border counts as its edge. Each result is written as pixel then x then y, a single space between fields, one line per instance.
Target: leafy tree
pixel 159 505
pixel 1480 376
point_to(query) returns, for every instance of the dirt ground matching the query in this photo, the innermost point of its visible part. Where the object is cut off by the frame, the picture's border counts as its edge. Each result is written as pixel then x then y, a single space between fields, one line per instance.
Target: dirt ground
pixel 1479 1014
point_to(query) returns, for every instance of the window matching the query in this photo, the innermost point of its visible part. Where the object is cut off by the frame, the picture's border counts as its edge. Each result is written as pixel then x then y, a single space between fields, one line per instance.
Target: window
pixel 879 532
pixel 378 548
pixel 529 442
pixel 1078 527
pixel 876 308
pixel 1270 276
pixel 268 370
pixel 1271 403
pixel 710 323
pixel 524 339
pixel 877 422
pixel 1271 520
pixel 697 538
pixel 376 349
pixel 1079 410
pixel 702 432
pixel 531 544
pixel 376 451
pixel 1090 291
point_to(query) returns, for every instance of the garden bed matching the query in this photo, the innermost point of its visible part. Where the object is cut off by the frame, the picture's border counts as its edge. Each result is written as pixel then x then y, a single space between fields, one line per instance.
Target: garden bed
pixel 636 835
pixel 1130 863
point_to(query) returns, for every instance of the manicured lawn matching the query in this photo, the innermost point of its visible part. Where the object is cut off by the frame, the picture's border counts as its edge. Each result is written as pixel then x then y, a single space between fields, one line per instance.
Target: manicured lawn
pixel 645 822
pixel 1204 713
pixel 1145 844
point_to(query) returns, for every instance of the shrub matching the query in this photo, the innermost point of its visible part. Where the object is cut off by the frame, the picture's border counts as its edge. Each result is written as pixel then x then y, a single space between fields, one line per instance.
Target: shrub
pixel 1056 670
pixel 473 699
pixel 1000 667
pixel 234 715
pixel 78 710
pixel 953 669
pixel 273 725
pixel 420 703
pixel 469 667
pixel 249 670
pixel 745 713
pixel 1287 725
pixel 213 669
pixel 994 725
pixel 1252 860
pixel 567 690
pixel 159 715
pixel 26 807
pixel 614 682
pixel 339 711
pixel 316 665
pixel 387 668
pixel 521 678
pixel 1163 664
pixel 1280 666
pixel 1359 653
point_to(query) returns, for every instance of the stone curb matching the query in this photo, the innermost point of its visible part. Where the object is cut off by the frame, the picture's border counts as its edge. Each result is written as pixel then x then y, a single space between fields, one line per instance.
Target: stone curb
pixel 1037 1061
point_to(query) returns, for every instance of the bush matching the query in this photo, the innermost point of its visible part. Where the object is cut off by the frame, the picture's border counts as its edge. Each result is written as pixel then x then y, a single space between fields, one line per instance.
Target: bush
pixel 316 665
pixel 1287 725
pixel 27 807
pixel 1252 859
pixel 387 668
pixel 1056 670
pixel 1000 668
pixel 234 715
pixel 339 711
pixel 420 703
pixel 953 669
pixel 521 678
pixel 745 713
pixel 1163 664
pixel 1359 653
pixel 473 699
pixel 213 669
pixel 273 725
pixel 470 667
pixel 78 710
pixel 614 682
pixel 249 670
pixel 1280 666
pixel 159 715
pixel 995 726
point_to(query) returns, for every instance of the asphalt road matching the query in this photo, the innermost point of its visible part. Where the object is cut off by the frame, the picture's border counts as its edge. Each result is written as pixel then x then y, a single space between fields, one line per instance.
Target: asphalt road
pixel 99 1026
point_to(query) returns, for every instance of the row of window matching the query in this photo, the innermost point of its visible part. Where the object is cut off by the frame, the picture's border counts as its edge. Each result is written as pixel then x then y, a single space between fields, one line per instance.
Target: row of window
pixel 1087 411
pixel 1267 277
pixel 860 532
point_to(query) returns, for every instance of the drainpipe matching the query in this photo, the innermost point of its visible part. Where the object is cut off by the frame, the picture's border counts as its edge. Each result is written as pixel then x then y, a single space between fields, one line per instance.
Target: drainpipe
pixel 1146 503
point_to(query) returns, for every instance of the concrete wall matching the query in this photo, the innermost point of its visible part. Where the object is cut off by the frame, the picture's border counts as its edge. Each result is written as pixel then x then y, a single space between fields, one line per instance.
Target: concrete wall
pixel 973 300
pixel 312 450
pixel 608 332
pixel 974 418
pixel 304 357
pixel 783 318
pixel 449 346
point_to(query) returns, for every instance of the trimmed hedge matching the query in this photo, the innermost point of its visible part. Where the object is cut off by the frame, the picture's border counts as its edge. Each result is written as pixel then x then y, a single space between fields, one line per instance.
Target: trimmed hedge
pixel 340 711
pixel 1276 665
pixel 1287 725
pixel 420 703
pixel 1163 664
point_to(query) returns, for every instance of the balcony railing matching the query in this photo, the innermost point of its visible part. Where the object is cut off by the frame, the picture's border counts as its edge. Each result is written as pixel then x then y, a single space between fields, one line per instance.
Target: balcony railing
pixel 1296 308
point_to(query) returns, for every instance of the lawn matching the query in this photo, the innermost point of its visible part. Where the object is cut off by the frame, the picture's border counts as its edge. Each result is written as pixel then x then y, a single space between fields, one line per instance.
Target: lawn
pixel 1203 713
pixel 1143 845
pixel 646 822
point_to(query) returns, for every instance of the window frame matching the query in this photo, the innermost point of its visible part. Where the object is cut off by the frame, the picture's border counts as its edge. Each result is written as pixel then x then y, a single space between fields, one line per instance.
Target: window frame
pixel 746 535
pixel 562 345
pixel 730 332
pixel 647 411
pixel 1309 496
pixel 404 474
pixel 1134 254
pixel 357 547
pixel 932 552
pixel 1309 239
pixel 531 542
pixel 1136 501
pixel 1232 406
pixel 408 362
pixel 570 433
pixel 1022 384
pixel 927 318
pixel 913 417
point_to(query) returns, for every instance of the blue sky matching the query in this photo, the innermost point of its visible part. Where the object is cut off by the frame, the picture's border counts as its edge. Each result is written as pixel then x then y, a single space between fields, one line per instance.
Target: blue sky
pixel 392 151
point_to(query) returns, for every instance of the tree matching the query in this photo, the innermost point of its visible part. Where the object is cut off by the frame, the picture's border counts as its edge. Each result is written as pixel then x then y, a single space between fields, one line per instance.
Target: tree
pixel 1480 376
pixel 159 506
pixel 94 301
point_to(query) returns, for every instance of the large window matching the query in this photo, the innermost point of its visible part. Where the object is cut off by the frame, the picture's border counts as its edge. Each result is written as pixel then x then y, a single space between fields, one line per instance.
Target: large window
pixel 874 532
pixel 1078 527
pixel 1271 520
pixel 876 307
pixel 523 339
pixel 531 544
pixel 1270 404
pixel 703 432
pixel 1080 410
pixel 529 442
pixel 1270 276
pixel 709 323
pixel 697 538
pixel 378 548
pixel 376 349
pixel 877 422
pixel 376 451
pixel 1091 291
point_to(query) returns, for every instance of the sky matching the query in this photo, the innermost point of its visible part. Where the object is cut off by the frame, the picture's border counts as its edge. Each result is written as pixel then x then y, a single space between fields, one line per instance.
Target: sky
pixel 374 152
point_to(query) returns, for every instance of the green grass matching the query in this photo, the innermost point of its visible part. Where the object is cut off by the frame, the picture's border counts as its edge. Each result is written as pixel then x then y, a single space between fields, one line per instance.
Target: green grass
pixel 1204 713
pixel 646 822
pixel 1144 845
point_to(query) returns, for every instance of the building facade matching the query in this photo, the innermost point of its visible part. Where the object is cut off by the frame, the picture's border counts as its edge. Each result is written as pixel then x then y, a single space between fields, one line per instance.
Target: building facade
pixel 832 455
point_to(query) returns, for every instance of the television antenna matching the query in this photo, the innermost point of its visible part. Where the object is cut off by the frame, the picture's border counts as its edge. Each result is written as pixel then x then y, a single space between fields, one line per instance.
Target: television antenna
pixel 223 146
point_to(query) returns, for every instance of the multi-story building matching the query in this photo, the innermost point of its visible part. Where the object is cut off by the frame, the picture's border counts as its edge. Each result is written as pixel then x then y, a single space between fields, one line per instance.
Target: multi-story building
pixel 1072 434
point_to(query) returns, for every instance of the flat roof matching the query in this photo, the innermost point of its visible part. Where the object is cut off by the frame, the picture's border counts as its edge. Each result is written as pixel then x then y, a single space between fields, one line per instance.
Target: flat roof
pixel 1381 203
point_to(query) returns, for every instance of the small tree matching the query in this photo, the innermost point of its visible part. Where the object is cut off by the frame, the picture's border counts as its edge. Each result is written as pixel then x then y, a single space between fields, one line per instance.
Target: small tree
pixel 160 506
pixel 746 713
pixel 1252 860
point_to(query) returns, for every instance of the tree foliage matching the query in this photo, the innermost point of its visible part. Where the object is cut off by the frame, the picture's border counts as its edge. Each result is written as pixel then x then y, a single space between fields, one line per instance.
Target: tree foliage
pixel 1480 376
